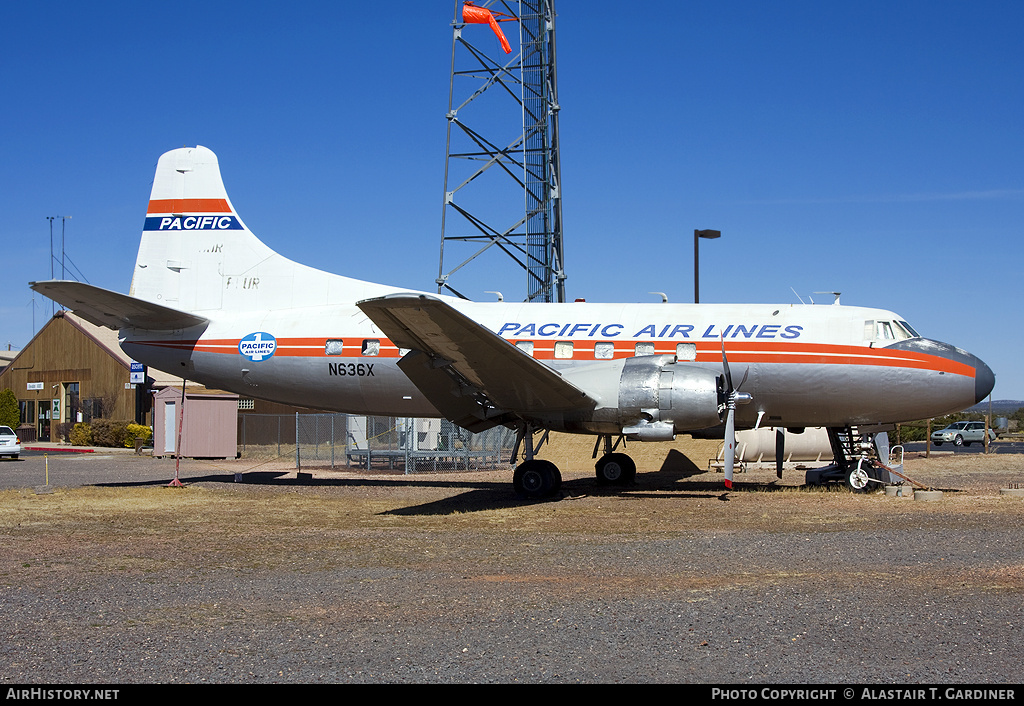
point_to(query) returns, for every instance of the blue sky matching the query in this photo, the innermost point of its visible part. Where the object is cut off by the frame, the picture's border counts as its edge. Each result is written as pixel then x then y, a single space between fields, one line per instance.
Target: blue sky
pixel 872 148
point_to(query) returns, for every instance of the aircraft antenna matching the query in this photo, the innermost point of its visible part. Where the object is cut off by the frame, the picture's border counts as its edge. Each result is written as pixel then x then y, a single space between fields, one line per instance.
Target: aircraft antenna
pixel 502 146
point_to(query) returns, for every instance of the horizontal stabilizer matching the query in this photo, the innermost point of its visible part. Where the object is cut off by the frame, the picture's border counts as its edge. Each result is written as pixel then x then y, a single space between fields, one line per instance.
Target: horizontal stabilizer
pixel 490 367
pixel 113 310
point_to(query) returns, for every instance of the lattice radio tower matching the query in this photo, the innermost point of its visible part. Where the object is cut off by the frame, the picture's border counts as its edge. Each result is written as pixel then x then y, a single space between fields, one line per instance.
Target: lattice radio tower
pixel 494 159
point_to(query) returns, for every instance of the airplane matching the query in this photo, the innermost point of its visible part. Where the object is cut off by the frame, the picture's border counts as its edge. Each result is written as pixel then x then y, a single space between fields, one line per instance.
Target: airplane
pixel 212 303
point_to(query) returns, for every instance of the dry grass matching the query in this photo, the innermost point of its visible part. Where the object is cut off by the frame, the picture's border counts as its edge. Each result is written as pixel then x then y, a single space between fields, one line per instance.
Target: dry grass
pixel 148 529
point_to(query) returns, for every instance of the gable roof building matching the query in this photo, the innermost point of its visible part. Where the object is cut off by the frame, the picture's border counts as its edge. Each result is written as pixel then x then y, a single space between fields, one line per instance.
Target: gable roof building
pixel 74 371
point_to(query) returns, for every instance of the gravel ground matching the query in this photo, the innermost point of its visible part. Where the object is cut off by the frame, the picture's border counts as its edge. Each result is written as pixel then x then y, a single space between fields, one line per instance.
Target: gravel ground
pixel 436 578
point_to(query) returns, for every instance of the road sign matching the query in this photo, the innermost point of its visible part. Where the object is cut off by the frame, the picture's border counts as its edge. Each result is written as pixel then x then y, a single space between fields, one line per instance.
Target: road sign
pixel 138 374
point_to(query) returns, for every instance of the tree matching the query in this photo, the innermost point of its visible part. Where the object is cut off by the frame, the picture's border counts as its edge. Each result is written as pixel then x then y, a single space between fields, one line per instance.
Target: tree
pixel 10 414
pixel 1019 417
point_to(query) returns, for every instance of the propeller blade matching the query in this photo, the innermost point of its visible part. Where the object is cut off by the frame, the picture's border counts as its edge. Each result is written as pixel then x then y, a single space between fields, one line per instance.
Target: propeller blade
pixel 728 372
pixel 725 364
pixel 732 397
pixel 780 450
pixel 730 444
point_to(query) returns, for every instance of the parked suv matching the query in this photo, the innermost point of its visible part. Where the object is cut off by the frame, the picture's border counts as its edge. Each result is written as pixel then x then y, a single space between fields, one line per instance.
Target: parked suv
pixel 10 444
pixel 962 434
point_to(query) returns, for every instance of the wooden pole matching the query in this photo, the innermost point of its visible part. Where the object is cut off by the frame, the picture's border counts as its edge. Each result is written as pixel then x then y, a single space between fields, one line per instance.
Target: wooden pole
pixel 181 422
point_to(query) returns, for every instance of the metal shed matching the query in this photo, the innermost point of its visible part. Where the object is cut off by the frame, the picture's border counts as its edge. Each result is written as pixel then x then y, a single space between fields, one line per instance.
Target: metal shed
pixel 210 427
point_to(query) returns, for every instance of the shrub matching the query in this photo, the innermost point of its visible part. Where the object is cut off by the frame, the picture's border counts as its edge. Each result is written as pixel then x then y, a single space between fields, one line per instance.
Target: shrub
pixel 137 431
pixel 10 414
pixel 108 432
pixel 81 435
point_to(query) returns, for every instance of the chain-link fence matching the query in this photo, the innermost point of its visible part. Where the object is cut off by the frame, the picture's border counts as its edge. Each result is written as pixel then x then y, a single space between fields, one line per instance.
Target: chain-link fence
pixel 395 443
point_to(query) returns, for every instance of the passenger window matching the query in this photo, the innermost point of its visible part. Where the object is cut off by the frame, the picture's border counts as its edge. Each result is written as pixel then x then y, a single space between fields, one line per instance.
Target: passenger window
pixel 335 346
pixel 686 351
pixel 644 349
pixel 563 349
pixel 604 350
pixel 371 346
pixel 526 347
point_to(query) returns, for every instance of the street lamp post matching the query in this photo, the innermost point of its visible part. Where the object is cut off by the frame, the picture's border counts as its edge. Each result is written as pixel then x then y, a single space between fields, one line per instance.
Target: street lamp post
pixel 697 235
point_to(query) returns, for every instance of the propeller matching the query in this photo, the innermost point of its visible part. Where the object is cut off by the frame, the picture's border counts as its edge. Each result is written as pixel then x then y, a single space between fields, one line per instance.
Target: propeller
pixel 780 450
pixel 732 397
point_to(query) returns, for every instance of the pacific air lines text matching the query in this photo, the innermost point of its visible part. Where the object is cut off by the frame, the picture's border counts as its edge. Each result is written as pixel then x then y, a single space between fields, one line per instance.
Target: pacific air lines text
pixel 714 331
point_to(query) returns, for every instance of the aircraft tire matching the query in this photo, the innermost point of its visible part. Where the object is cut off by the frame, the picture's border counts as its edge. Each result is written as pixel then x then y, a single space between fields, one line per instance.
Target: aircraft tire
pixel 858 479
pixel 615 469
pixel 536 479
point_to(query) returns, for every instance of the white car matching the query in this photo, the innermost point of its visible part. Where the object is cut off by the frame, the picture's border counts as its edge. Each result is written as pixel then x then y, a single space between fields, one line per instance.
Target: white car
pixel 962 434
pixel 10 444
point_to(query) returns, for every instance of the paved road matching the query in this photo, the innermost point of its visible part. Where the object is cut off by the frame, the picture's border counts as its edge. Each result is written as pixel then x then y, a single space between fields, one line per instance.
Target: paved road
pixel 106 467
pixel 1001 447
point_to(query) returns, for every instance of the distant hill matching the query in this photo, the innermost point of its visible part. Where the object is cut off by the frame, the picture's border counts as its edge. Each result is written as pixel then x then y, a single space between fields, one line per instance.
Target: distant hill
pixel 999 407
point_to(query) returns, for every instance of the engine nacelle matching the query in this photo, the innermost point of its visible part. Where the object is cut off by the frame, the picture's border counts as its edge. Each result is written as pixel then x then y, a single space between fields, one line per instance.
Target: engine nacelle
pixel 659 397
pixel 647 398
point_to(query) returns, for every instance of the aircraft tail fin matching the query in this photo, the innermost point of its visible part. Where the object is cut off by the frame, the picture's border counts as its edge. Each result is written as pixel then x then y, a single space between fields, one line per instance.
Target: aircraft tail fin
pixel 197 254
pixel 192 237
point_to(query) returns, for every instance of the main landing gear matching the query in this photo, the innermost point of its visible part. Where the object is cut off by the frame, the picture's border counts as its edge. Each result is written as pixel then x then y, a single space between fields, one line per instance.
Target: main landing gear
pixel 613 468
pixel 536 479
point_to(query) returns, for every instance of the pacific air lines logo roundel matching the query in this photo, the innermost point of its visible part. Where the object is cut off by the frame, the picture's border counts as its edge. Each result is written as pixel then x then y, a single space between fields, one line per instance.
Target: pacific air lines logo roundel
pixel 257 346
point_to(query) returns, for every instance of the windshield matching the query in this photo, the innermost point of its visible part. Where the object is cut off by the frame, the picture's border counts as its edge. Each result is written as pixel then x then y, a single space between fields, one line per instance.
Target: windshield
pixel 908 329
pixel 888 331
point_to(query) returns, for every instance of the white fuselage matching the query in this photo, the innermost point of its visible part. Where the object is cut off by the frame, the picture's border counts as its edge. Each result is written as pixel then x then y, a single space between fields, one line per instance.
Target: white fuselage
pixel 804 365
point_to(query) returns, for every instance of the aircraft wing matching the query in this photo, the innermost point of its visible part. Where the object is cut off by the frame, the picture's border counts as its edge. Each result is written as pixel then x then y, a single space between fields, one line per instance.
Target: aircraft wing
pixel 113 310
pixel 470 372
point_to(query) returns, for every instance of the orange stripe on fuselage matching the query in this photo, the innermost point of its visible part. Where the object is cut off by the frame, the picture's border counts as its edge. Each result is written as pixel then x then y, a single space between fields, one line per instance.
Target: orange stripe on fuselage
pixel 707 352
pixel 189 206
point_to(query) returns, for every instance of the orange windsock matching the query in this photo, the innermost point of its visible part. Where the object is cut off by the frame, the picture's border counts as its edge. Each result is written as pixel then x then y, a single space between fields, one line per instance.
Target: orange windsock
pixel 481 15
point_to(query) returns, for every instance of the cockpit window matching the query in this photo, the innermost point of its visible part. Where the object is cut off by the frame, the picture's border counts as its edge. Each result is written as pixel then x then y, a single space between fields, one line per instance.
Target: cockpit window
pixel 888 331
pixel 909 329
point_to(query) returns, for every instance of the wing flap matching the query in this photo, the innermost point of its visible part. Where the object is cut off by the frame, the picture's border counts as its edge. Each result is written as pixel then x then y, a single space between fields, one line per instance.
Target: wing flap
pixel 114 310
pixel 487 365
pixel 448 393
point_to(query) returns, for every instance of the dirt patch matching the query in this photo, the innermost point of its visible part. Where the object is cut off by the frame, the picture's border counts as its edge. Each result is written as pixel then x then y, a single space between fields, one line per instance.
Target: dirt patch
pixel 348 575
